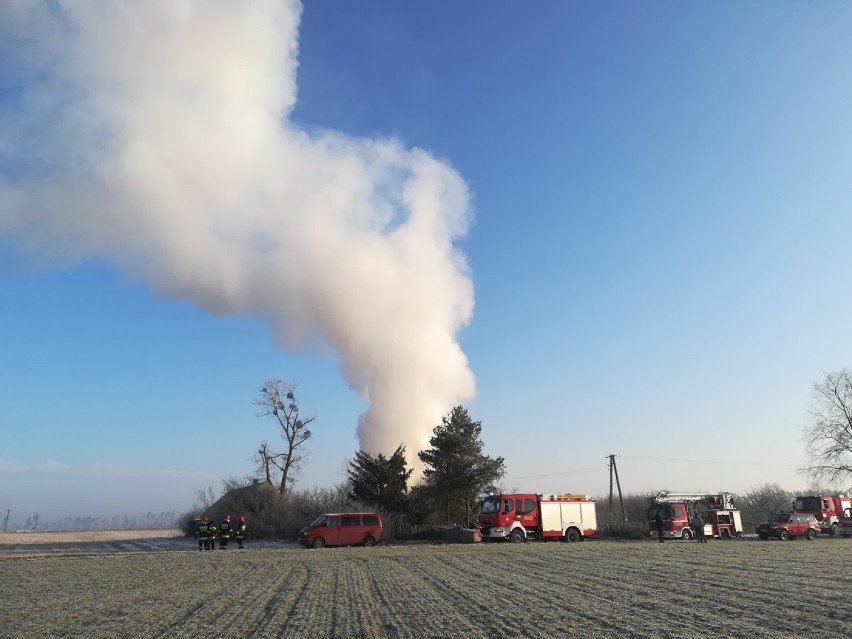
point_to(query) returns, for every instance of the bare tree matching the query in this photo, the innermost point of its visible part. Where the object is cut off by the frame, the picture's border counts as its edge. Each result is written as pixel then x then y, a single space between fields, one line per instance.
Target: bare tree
pixel 205 497
pixel 829 434
pixel 234 482
pixel 766 499
pixel 277 399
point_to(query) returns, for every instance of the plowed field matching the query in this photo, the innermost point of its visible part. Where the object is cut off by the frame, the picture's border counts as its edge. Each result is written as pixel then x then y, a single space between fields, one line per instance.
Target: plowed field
pixel 739 588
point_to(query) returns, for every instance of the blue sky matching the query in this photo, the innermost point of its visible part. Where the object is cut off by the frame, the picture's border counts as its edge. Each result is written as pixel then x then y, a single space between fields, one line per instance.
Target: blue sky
pixel 658 249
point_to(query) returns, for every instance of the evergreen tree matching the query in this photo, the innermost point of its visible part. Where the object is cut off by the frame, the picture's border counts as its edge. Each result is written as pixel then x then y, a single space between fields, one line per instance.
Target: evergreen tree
pixel 380 481
pixel 457 472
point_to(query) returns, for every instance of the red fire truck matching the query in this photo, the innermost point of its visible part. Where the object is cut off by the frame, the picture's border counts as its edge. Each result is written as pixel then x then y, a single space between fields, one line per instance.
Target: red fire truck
pixel 828 510
pixel 721 519
pixel 523 516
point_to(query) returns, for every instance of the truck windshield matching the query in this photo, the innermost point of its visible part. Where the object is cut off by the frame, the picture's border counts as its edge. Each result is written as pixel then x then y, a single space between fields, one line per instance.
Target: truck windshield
pixel 808 503
pixel 663 510
pixel 490 505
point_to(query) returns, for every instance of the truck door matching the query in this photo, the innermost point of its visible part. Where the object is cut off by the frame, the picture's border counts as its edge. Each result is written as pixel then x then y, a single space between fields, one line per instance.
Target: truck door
pixel 526 512
pixel 331 531
pixel 507 513
pixel 679 517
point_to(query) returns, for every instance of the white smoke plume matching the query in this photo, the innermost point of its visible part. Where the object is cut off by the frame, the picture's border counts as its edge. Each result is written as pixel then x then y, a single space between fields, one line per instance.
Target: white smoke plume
pixel 157 135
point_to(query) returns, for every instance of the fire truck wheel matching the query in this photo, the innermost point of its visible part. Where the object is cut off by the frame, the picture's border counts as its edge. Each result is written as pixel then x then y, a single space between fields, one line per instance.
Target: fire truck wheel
pixel 832 532
pixel 572 536
pixel 811 534
pixel 783 535
pixel 516 536
pixel 686 534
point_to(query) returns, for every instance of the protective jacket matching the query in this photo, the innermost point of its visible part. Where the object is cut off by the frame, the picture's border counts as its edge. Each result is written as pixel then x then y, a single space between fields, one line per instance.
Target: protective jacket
pixel 202 531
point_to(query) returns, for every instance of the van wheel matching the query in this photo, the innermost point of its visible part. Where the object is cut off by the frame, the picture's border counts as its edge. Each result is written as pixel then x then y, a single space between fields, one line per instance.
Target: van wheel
pixel 369 542
pixel 686 534
pixel 572 536
pixel 516 536
pixel 318 542
pixel 783 535
pixel 811 534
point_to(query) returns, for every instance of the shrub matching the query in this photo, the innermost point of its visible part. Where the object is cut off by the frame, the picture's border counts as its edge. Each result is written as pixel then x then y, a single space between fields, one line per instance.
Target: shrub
pixel 624 530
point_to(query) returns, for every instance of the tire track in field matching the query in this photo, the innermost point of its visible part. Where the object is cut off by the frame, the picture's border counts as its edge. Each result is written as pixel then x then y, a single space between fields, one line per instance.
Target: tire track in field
pixel 674 597
pixel 250 602
pixel 412 608
pixel 309 616
pixel 277 602
pixel 577 595
pixel 355 613
pixel 730 588
pixel 516 591
pixel 259 604
pixel 208 612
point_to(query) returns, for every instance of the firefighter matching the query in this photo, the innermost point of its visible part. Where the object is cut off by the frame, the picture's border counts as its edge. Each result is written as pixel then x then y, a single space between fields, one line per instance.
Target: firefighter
pixel 224 533
pixel 658 519
pixel 240 531
pixel 211 540
pixel 202 533
pixel 697 524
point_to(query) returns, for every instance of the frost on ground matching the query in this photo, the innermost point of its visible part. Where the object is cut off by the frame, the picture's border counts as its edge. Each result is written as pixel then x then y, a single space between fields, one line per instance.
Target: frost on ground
pixel 32 544
pixel 592 589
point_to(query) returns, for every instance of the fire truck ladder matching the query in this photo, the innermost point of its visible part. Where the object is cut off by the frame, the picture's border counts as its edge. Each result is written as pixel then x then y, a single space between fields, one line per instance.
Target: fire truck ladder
pixel 722 501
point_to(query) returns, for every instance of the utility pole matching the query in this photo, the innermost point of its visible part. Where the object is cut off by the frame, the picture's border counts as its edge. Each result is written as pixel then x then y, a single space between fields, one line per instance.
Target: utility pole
pixel 613 470
pixel 6 521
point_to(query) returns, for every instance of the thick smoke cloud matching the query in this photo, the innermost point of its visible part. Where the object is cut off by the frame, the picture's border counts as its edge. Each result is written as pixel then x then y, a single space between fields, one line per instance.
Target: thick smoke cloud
pixel 156 135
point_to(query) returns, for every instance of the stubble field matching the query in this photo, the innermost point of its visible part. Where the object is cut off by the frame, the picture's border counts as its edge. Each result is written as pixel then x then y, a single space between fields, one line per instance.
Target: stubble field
pixel 742 588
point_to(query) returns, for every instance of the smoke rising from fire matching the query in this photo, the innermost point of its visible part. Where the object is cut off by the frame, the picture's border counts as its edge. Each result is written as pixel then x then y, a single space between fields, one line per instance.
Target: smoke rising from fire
pixel 156 135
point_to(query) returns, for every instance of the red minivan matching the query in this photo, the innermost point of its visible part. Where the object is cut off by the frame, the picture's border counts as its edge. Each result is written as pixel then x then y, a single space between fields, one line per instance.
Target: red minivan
pixel 342 529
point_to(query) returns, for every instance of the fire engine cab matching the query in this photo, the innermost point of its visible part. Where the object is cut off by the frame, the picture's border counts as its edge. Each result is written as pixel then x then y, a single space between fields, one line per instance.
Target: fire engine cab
pixel 828 510
pixel 721 519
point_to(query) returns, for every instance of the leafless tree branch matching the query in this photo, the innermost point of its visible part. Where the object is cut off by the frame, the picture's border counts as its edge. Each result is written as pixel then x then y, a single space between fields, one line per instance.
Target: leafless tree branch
pixel 828 435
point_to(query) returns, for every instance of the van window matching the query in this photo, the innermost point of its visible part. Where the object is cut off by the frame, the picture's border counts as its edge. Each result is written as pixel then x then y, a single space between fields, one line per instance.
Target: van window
pixel 371 520
pixel 331 521
pixel 350 520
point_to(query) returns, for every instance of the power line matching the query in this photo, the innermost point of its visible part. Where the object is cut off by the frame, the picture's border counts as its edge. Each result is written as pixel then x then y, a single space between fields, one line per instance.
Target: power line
pixel 708 461
pixel 565 472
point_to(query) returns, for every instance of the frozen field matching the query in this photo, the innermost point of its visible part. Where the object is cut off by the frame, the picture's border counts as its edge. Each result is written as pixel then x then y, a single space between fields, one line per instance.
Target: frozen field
pixel 741 588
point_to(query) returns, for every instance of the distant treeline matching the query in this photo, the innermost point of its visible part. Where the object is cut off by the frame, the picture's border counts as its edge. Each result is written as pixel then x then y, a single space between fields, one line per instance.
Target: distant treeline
pixel 165 519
